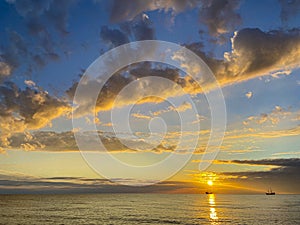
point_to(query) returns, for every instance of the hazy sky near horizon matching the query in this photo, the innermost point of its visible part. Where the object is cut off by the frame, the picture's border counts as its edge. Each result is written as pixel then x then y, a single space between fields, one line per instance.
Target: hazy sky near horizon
pixel 252 48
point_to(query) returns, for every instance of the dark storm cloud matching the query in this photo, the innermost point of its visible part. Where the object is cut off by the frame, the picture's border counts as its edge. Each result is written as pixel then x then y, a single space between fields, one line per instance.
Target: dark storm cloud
pixel 220 16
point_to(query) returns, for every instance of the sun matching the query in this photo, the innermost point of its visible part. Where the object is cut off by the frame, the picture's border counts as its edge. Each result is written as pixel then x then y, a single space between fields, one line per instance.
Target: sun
pixel 210 183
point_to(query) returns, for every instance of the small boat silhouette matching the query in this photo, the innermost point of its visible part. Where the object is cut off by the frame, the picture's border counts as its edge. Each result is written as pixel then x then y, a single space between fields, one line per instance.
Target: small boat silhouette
pixel 270 192
pixel 208 192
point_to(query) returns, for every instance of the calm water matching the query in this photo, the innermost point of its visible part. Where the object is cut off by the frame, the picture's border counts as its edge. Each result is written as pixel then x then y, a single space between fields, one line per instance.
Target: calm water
pixel 149 209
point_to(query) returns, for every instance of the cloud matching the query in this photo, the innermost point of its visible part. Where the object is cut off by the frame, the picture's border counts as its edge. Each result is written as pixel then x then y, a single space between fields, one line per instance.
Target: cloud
pixel 286 153
pixel 10 184
pixel 274 117
pixel 5 70
pixel 249 94
pixel 220 16
pixel 181 108
pixel 27 109
pixel 15 50
pixel 254 53
pixel 142 87
pixel 140 28
pixel 65 141
pixel 124 10
pixel 141 116
pixel 55 11
pixel 292 162
pixel 282 175
pixel 113 36
pixel 138 142
pixel 289 9
pixel 295 131
pixel 239 65
pixel 41 19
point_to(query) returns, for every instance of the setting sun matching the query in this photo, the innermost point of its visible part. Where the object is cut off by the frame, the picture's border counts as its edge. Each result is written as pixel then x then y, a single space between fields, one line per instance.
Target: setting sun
pixel 210 183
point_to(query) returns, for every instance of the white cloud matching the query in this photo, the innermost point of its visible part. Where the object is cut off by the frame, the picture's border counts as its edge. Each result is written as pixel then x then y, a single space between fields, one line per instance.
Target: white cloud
pixel 249 94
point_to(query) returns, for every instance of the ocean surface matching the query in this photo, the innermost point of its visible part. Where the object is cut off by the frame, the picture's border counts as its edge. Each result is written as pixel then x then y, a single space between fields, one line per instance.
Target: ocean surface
pixel 149 209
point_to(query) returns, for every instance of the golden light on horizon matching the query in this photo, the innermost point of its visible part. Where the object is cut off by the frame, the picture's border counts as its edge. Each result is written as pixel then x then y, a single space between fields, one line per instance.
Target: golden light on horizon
pixel 210 183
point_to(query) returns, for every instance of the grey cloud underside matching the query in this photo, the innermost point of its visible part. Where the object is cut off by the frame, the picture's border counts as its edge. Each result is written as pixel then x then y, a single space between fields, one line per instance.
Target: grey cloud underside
pixel 284 176
pixel 292 162
pixel 220 16
pixel 65 141
pixel 79 185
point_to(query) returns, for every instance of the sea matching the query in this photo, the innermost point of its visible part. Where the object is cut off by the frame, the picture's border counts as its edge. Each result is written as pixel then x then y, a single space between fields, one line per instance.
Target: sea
pixel 149 209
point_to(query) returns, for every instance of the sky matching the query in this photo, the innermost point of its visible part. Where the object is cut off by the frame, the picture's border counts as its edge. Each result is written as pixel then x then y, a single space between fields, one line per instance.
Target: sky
pixel 47 47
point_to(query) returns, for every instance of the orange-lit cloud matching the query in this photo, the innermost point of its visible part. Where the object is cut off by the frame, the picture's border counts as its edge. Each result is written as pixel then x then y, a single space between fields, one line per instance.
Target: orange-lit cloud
pixel 5 70
pixel 28 109
pixel 274 117
pixel 141 116
pixel 249 94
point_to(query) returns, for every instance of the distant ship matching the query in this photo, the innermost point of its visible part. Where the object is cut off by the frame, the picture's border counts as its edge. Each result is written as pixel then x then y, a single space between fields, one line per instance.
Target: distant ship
pixel 270 192
pixel 208 193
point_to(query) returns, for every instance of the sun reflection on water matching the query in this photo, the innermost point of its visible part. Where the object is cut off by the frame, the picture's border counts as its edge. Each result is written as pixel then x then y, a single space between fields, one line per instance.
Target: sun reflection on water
pixel 212 204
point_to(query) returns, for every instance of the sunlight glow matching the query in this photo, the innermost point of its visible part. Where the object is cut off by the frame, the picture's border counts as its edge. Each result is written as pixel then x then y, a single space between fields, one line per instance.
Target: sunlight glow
pixel 210 183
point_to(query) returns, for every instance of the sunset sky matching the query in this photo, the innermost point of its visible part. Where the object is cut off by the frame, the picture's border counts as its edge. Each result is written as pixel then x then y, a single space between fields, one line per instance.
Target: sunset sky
pixel 251 47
